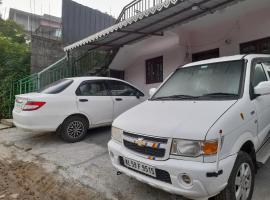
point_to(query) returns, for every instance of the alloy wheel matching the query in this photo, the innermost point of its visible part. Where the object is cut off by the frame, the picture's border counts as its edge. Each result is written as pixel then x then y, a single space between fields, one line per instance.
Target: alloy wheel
pixel 243 182
pixel 75 129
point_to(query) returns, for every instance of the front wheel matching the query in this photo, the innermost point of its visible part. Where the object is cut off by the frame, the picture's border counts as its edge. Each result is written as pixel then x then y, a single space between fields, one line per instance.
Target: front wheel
pixel 74 129
pixel 241 182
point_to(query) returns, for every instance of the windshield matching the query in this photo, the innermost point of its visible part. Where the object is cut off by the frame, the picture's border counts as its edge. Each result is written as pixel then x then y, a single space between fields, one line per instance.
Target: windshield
pixel 216 80
pixel 57 87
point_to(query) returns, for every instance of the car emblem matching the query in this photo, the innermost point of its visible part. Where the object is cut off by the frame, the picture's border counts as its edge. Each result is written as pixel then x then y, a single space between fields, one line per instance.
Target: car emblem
pixel 140 142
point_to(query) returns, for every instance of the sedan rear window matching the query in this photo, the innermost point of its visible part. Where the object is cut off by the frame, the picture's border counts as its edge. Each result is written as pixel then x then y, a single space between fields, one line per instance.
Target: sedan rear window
pixel 57 87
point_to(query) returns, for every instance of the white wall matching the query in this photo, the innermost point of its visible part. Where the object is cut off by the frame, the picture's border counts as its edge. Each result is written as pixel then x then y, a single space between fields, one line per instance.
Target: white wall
pixel 230 25
pixel 247 27
pixel 172 59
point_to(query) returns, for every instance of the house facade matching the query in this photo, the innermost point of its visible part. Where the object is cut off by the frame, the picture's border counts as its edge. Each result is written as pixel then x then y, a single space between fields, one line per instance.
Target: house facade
pixel 235 27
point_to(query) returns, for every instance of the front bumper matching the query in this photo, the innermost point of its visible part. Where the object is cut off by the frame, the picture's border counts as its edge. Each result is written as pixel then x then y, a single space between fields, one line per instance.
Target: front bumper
pixel 203 187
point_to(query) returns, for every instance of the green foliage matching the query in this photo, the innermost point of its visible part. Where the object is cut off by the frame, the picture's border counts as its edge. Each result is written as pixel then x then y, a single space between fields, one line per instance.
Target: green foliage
pixel 14 60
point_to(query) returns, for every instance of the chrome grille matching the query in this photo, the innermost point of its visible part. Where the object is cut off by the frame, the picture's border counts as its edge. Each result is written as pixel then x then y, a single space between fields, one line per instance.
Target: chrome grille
pixel 150 147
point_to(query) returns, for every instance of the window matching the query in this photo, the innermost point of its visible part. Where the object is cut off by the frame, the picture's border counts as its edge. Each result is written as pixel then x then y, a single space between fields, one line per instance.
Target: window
pixel 154 70
pixel 257 46
pixel 57 87
pixel 259 75
pixel 117 74
pixel 118 88
pixel 267 67
pixel 92 88
pixel 202 81
pixel 214 53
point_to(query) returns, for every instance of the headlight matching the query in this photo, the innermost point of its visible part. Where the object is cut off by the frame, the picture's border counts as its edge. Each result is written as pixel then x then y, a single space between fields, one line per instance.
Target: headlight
pixel 117 134
pixel 191 148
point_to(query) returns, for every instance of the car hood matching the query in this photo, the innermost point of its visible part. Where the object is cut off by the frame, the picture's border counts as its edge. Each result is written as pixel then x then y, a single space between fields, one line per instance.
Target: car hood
pixel 174 119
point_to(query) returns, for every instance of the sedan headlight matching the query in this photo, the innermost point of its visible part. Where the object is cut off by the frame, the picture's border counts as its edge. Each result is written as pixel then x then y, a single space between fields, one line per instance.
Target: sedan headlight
pixel 191 148
pixel 117 134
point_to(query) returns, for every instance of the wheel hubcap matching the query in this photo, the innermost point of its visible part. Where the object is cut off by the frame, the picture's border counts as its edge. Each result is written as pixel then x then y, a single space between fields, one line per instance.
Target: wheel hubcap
pixel 75 129
pixel 243 182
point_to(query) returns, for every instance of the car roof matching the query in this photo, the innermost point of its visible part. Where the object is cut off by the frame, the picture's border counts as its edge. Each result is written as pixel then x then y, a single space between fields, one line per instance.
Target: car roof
pixel 90 78
pixel 227 58
pixel 86 78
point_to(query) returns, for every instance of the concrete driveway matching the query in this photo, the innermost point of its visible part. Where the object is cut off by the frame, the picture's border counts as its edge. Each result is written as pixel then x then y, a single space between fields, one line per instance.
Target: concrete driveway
pixel 88 162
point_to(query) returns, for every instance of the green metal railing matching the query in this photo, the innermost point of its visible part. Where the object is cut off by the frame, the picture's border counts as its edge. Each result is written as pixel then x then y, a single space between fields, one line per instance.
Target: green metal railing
pixel 26 85
pixel 55 72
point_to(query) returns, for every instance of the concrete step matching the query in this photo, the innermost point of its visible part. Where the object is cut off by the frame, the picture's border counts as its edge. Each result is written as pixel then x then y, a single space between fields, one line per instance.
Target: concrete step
pixel 2 127
pixel 264 153
pixel 7 122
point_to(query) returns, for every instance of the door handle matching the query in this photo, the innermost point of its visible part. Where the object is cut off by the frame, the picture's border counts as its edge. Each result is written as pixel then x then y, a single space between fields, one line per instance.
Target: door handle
pixel 119 99
pixel 83 100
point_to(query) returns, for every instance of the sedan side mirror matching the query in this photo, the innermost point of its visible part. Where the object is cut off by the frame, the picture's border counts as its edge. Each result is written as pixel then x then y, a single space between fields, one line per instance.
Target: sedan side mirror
pixel 138 96
pixel 263 88
pixel 152 91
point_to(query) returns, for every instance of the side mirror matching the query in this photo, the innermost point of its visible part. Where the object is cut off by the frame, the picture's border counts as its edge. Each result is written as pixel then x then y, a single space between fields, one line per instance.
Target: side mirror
pixel 138 96
pixel 152 91
pixel 263 88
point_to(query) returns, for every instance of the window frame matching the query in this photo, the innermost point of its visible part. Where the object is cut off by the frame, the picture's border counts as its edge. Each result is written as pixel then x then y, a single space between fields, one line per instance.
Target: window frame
pixel 204 53
pixel 68 84
pixel 257 43
pixel 253 64
pixel 107 82
pixel 241 84
pixel 147 78
pixel 92 81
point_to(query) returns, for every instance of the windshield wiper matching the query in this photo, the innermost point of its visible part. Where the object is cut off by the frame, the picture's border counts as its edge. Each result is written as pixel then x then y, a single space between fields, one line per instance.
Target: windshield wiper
pixel 175 97
pixel 220 94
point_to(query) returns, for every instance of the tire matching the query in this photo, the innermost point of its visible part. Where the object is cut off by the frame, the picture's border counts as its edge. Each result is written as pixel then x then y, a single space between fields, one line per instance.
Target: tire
pixel 74 129
pixel 245 164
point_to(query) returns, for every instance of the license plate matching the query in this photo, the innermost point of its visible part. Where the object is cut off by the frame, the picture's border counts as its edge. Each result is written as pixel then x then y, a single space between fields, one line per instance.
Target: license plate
pixel 141 167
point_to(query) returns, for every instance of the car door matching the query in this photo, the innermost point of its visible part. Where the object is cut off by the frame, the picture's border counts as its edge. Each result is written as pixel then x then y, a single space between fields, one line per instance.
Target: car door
pixel 262 103
pixel 93 99
pixel 124 96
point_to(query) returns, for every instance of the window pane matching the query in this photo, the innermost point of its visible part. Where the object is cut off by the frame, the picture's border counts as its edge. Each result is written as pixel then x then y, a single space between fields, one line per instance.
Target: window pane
pixel 257 46
pixel 92 89
pixel 267 67
pixel 200 80
pixel 259 75
pixel 57 87
pixel 154 70
pixel 205 55
pixel 121 89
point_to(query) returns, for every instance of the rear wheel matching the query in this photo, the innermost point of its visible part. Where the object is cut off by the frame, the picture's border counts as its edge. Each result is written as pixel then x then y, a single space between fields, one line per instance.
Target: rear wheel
pixel 241 182
pixel 74 129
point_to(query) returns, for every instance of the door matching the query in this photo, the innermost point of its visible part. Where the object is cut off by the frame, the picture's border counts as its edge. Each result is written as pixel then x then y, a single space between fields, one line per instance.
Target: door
pixel 93 99
pixel 124 96
pixel 262 103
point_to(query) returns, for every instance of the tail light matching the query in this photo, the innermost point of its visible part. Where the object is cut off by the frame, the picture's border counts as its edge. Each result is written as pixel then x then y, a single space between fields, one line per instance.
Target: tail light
pixel 33 105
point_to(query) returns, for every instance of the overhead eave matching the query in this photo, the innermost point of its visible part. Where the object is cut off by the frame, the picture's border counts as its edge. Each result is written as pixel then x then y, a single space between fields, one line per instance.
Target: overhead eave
pixel 150 22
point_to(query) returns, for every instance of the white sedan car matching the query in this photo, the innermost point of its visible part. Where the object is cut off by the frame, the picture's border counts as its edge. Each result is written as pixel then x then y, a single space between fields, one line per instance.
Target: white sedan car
pixel 73 105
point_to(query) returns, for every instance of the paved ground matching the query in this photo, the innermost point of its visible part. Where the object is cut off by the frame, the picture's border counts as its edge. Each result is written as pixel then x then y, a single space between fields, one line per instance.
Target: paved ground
pixel 87 163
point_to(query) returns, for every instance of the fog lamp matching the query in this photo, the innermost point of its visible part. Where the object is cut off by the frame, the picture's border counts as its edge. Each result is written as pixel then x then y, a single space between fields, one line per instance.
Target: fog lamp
pixel 185 180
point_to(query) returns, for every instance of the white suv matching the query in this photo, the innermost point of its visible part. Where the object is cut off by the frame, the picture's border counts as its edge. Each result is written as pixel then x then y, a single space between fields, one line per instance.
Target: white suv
pixel 203 133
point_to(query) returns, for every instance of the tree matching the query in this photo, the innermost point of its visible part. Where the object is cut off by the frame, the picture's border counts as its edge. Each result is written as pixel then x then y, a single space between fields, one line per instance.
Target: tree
pixel 14 59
